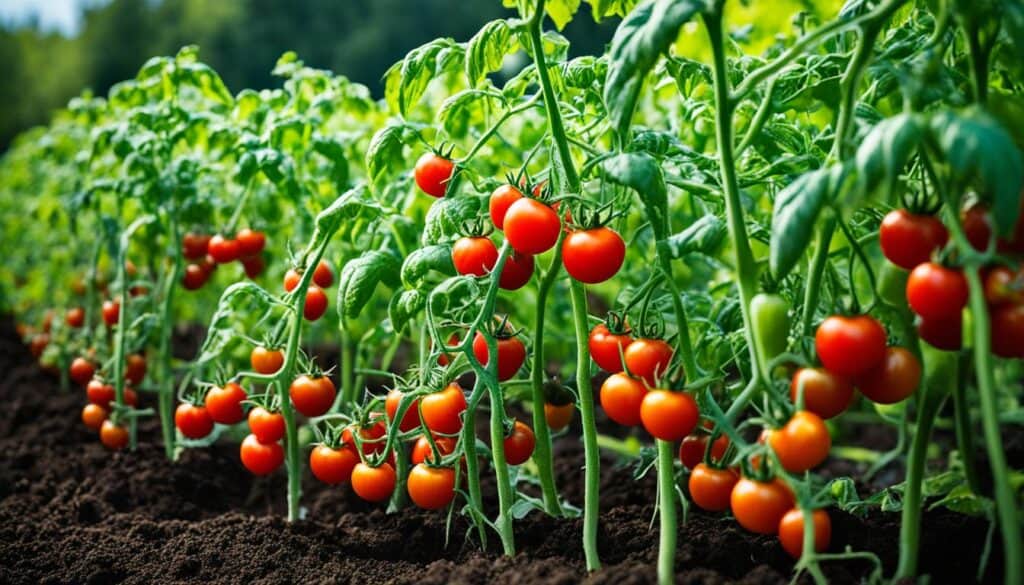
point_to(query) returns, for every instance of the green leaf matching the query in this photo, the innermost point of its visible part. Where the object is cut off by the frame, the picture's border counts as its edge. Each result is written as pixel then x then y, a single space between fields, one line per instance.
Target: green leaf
pixel 244 297
pixel 385 151
pixel 796 211
pixel 647 32
pixel 455 109
pixel 404 306
pixel 446 217
pixel 641 172
pixel 408 79
pixel 422 260
pixel 359 278
pixel 561 11
pixel 601 9
pixel 454 293
pixel 704 236
pixel 486 51
pixel 352 204
pixel 885 151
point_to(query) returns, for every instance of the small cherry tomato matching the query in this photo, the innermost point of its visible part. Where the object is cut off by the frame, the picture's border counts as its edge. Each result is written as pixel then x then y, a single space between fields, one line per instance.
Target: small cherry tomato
pixel 111 312
pixel 431 488
pixel 253 266
pixel 291 280
pixel 607 348
pixel 373 484
pixel 195 277
pixel 892 381
pixel 908 239
pixel 445 358
pixel 621 397
pixel 99 393
pixel 225 403
pixel 312 396
pixel 93 416
pixel 81 371
pixel 195 246
pixel 371 435
pixel 558 416
pixel 224 249
pixel 250 242
pixel 476 256
pixel 1008 331
pixel 759 505
pixel 266 361
pixel 511 354
pixel 531 227
pixel 850 346
pixel 421 451
pixel 113 437
pixel 333 466
pixel 519 445
pixel 135 369
pixel 711 488
pixel 316 303
pixel 791 531
pixel 261 458
pixel 944 334
pixel 323 275
pixel 936 292
pixel 648 359
pixel 266 426
pixel 825 394
pixel 593 256
pixel 433 173
pixel 442 411
pixel 411 420
pixel 194 422
pixel 802 443
pixel 693 447
pixel 517 271
pixel 501 199
pixel 75 317
pixel 669 415
pixel 1003 286
pixel 977 226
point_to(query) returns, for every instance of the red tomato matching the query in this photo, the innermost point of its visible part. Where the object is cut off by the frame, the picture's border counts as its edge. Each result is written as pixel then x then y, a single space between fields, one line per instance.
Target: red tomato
pixel 370 435
pixel 558 416
pixel 75 317
pixel 850 346
pixel 802 443
pixel 895 379
pixel 442 411
pixel 194 422
pixel 908 240
pixel 373 484
pixel 431 488
pixel 511 354
pixel 531 227
pixel 99 393
pixel 1008 331
pixel 113 437
pixel 621 397
pixel 225 403
pixel 433 172
pixel 291 279
pixel 111 312
pixel 81 371
pixel 253 266
pixel 977 227
pixel 518 271
pixel 594 255
pixel 669 415
pixel 312 396
pixel 266 361
pixel 261 458
pixel 250 242
pixel 936 292
pixel 648 359
pixel 316 303
pixel 131 398
pixel 411 420
pixel 93 416
pixel 195 277
pixel 693 447
pixel 825 394
pixel 422 452
pixel 476 256
pixel 1003 286
pixel 444 359
pixel 607 348
pixel 323 276
pixel 38 344
pixel 944 334
pixel 501 199
pixel 519 445
pixel 135 369
pixel 266 426
pixel 791 531
pixel 711 488
pixel 759 506
pixel 195 246
pixel 333 466
pixel 224 250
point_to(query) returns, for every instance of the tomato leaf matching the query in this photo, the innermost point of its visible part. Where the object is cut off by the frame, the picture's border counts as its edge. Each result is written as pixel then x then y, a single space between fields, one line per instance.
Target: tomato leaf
pixel 385 152
pixel 406 81
pixel 601 9
pixel 486 51
pixel 404 306
pixel 446 217
pixel 422 260
pixel 243 297
pixel 641 172
pixel 561 11
pixel 704 236
pixel 796 210
pixel 884 152
pixel 360 277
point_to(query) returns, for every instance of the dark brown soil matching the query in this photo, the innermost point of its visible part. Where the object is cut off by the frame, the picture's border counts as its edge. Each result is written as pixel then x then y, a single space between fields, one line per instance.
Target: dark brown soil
pixel 72 512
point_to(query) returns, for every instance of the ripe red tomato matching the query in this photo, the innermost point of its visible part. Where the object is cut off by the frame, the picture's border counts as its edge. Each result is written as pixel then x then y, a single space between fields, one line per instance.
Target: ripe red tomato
pixel 1008 331
pixel 607 348
pixel 518 271
pixel 936 292
pixel 692 448
pixel 224 249
pixel 93 416
pixel 373 484
pixel 759 505
pixel 422 452
pixel 250 242
pixel 261 458
pixel 944 334
pixel 316 303
pixel 312 396
pixel 519 445
pixel 850 346
pixel 111 312
pixel 75 317
pixel 825 394
pixel 253 266
pixel 908 240
pixel 802 443
pixel 195 246
pixel 195 277
pixel 711 488
pixel 266 426
pixel 193 421
pixel 225 403
pixel 892 381
pixel 977 227
pixel 333 466
pixel 372 436
pixel 669 415
pixel 432 173
pixel 291 279
pixel 431 488
pixel 791 531
pixel 648 359
pixel 38 344
pixel 135 369
pixel 81 371
pixel 1002 286
pixel 411 420
pixel 266 361
pixel 531 227
pixel 594 255
pixel 323 275
pixel 558 416
pixel 442 411
pixel 511 354
pixel 99 393
pixel 131 398
pixel 621 397
pixel 501 199
pixel 113 437
pixel 476 256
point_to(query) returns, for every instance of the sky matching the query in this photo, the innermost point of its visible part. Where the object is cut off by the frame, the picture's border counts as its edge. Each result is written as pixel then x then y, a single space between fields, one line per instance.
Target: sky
pixel 60 15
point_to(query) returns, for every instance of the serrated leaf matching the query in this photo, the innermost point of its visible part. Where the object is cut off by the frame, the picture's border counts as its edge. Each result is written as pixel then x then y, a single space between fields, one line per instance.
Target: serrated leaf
pixel 385 152
pixel 408 79
pixel 796 211
pixel 422 260
pixel 360 277
pixel 641 172
pixel 486 51
pixel 704 236
pixel 446 217
pixel 561 11
pixel 404 306
pixel 601 9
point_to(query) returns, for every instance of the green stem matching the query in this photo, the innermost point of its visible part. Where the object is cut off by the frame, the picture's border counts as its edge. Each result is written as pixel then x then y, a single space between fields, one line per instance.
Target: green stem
pixel 666 513
pixel 962 421
pixel 348 350
pixel 476 498
pixel 979 62
pixel 166 374
pixel 591 451
pixel 503 522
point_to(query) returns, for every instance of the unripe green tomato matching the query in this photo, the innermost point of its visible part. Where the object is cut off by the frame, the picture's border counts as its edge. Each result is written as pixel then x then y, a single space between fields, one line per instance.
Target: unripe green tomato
pixel 770 319
pixel 892 285
pixel 891 412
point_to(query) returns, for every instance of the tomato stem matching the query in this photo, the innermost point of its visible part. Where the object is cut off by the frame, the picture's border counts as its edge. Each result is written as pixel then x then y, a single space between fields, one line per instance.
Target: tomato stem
pixel 666 512
pixel 165 376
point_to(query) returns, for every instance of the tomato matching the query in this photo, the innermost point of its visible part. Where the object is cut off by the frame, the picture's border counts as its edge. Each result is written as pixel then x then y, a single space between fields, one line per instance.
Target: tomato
pixel 501 199
pixel 802 443
pixel 316 303
pixel 621 397
pixel 791 531
pixel 476 256
pixel 1003 286
pixel 224 249
pixel 558 416
pixel 411 420
pixel 1008 331
pixel 333 466
pixel 312 396
pixel 593 256
pixel 261 458
pixel 518 271
pixel 99 393
pixel 669 415
pixel 135 369
pixel 442 411
pixel 266 361
pixel 250 242
pixel 711 488
pixel 977 226
pixel 759 505
pixel 373 484
pixel 944 334
pixel 895 379
pixel 370 435
pixel 648 359
pixel 432 173
pixel 693 447
pixel 445 358
pixel 113 437
pixel 111 312
pixel 770 319
pixel 607 348
pixel 511 354
pixel 908 239
pixel 431 488
pixel 193 421
pixel 253 266
pixel 225 403
pixel 850 346
pixel 323 275
pixel 195 246
pixel 531 227
pixel 81 370
pixel 891 285
pixel 936 292
pixel 131 398
pixel 291 279
pixel 38 344
pixel 93 416
pixel 825 394
pixel 75 317
pixel 266 426
pixel 519 444
pixel 195 277
pixel 421 450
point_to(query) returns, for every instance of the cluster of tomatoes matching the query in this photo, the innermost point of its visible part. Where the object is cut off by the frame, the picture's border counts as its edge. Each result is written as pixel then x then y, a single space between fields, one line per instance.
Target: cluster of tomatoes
pixel 316 298
pixel 100 394
pixel 205 252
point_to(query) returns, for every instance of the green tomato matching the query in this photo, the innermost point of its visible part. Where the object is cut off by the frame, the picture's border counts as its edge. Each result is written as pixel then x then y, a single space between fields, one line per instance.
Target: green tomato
pixel 770 319
pixel 892 285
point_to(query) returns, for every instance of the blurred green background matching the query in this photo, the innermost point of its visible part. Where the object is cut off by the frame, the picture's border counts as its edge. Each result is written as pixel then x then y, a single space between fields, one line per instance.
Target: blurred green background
pixel 43 66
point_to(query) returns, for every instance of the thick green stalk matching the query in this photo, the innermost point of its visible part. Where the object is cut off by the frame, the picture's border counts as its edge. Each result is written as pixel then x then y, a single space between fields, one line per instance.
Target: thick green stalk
pixel 476 498
pixel 503 522
pixel 166 374
pixel 666 512
pixel 962 422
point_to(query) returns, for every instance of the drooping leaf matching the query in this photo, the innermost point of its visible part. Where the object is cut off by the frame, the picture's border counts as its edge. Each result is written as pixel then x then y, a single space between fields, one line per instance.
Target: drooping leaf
pixel 641 172
pixel 385 151
pixel 446 217
pixel 796 211
pixel 486 51
pixel 245 297
pixel 704 236
pixel 359 278
pixel 422 260
pixel 404 306
pixel 884 152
